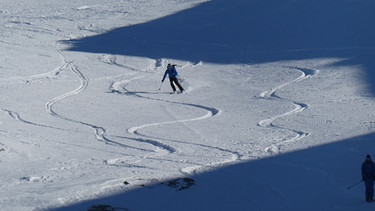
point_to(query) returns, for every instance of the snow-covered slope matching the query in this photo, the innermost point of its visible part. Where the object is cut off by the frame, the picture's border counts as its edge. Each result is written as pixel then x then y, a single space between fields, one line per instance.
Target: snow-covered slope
pixel 278 113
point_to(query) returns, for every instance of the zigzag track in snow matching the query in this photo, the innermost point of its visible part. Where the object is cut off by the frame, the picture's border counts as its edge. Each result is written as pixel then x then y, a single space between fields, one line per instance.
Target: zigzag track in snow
pixel 83 82
pixel 299 107
pixel 120 87
pixel 211 112
pixel 100 132
pixel 28 79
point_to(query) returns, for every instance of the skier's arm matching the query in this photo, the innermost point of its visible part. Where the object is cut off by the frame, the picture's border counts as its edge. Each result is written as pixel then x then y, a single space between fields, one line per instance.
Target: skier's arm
pixel 363 171
pixel 165 75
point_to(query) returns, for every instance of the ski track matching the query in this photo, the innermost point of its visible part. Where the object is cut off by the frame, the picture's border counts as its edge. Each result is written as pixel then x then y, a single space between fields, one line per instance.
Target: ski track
pixel 31 78
pixel 211 112
pixel 28 79
pixel 84 84
pixel 299 107
pixel 17 117
pixel 119 87
pixel 100 132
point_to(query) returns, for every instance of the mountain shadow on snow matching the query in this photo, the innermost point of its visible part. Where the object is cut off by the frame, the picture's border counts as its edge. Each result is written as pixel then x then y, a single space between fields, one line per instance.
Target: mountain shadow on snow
pixel 250 31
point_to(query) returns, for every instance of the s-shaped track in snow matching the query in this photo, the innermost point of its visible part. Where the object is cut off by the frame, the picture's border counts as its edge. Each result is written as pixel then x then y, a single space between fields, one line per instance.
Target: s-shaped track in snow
pixel 120 87
pixel 299 107
pixel 99 131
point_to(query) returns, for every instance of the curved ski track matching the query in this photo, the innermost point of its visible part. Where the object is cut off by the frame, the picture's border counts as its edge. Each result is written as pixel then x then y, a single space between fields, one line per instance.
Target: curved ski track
pixel 17 117
pixel 119 87
pixel 299 107
pixel 27 79
pixel 100 132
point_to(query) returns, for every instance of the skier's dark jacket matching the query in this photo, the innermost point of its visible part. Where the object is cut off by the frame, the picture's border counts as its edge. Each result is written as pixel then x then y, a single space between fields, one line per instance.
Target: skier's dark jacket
pixel 171 71
pixel 368 170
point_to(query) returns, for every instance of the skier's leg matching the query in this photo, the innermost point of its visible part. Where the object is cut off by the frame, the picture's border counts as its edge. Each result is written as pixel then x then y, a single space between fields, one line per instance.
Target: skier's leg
pixel 172 85
pixel 178 84
pixel 371 191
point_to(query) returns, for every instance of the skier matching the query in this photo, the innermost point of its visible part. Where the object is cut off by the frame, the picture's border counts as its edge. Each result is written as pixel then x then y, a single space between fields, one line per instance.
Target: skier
pixel 172 73
pixel 368 176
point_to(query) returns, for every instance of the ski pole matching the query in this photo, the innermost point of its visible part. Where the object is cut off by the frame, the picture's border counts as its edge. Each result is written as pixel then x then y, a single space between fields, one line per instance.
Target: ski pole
pixel 355 184
pixel 160 86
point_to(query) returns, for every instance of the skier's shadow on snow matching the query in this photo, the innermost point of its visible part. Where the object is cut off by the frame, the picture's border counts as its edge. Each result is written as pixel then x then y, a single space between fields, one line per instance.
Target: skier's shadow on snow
pixel 138 93
pixel 250 31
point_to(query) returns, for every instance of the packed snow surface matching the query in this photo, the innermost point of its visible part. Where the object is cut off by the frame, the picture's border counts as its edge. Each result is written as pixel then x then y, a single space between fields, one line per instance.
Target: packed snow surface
pixel 278 112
